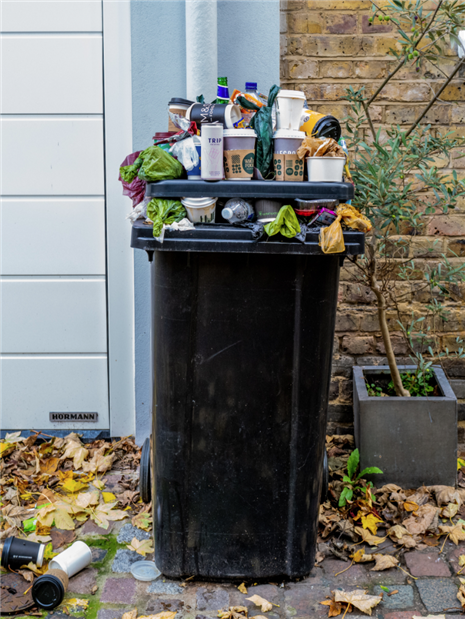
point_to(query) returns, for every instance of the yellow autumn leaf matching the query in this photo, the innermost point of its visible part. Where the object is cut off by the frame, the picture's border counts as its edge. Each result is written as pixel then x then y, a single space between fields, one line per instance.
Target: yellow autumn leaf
pixel 368 538
pixel 359 599
pixel 410 506
pixel 99 483
pixel 75 450
pixel 77 604
pixel 99 464
pixel 166 614
pixel 383 562
pixel 242 588
pixel 143 520
pixel 108 497
pixel 360 557
pixel 63 520
pixel 131 614
pixel 85 499
pixel 450 510
pixel 259 601
pixel 72 485
pixel 456 533
pixel 141 547
pixel 460 463
pixel 369 522
pixel 462 560
pixel 4 447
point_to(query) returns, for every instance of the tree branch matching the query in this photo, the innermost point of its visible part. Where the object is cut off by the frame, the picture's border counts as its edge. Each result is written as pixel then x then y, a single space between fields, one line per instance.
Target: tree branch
pixel 436 97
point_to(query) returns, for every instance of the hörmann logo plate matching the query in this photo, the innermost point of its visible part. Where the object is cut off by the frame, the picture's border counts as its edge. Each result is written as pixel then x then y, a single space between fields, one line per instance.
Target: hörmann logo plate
pixel 73 417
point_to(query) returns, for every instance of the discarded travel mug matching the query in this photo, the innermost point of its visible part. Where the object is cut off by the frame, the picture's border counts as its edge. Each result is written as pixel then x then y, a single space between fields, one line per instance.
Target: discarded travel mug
pixel 49 589
pixel 17 552
pixel 214 113
pixel 211 136
pixel 73 559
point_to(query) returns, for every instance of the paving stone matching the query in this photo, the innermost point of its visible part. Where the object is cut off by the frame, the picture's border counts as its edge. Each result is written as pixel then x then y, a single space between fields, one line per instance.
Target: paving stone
pixel 426 564
pixel 90 528
pixel 407 614
pixel 402 599
pixel 83 582
pixel 169 588
pixel 160 606
pixel 212 600
pixel 98 554
pixel 269 592
pixel 392 576
pixel 454 558
pixel 58 615
pixel 110 613
pixel 437 594
pixel 304 600
pixel 124 559
pixel 118 590
pixel 356 574
pixel 128 533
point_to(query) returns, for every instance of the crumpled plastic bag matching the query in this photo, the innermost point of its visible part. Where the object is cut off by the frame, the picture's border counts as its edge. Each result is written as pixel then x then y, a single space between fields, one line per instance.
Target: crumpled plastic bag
pixel 316 147
pixel 164 212
pixel 139 211
pixel 286 222
pixel 332 237
pixel 186 152
pixel 136 188
pixel 262 123
pixel 153 164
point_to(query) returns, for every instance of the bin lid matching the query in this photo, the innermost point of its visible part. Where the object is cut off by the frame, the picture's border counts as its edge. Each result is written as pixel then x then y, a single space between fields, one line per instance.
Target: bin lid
pixel 226 238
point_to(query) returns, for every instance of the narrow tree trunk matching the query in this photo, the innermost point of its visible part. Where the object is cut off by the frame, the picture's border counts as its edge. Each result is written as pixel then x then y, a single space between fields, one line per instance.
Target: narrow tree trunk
pixel 395 374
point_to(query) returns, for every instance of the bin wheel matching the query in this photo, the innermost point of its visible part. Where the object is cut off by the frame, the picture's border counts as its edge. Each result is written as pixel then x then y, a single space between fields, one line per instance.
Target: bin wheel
pixel 325 480
pixel 145 487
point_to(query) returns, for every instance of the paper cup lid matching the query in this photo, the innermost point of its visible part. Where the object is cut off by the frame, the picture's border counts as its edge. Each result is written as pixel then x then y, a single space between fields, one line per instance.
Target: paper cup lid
pixel 239 133
pixel 291 94
pixel 289 134
pixel 145 570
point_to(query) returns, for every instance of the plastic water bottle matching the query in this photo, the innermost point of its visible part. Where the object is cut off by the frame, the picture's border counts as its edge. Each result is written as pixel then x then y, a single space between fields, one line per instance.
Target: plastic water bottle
pixel 222 96
pixel 251 87
pixel 237 210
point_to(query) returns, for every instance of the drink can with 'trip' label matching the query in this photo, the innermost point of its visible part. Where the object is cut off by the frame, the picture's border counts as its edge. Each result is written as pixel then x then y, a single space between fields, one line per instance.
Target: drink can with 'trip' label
pixel 211 136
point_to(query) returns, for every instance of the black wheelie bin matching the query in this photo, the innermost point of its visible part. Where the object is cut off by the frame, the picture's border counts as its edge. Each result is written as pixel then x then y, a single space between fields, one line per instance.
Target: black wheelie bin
pixel 242 340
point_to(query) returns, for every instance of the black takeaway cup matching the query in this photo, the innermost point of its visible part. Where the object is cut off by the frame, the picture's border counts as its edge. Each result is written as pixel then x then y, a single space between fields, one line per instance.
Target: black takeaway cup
pixel 17 552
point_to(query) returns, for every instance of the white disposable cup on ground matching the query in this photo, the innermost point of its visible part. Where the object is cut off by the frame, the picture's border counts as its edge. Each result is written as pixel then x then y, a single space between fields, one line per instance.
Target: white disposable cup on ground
pixel 325 169
pixel 73 559
pixel 289 106
pixel 200 210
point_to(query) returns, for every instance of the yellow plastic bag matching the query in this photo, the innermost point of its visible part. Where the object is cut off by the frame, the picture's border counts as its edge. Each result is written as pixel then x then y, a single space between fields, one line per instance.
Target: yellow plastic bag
pixel 353 218
pixel 331 238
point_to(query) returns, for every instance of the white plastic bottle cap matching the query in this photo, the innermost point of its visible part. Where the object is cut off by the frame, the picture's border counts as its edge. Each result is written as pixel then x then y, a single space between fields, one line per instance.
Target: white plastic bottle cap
pixel 227 213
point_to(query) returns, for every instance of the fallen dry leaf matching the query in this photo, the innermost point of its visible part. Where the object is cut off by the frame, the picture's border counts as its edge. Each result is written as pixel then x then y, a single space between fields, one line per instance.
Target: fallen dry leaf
pixel 141 547
pixel 242 588
pixel 131 614
pixel 410 506
pixel 259 601
pixel 62 538
pixel 167 614
pixel 108 497
pixel 383 562
pixel 367 537
pixel 49 466
pixel 94 589
pixel 399 534
pixel 461 593
pixel 361 557
pixel 234 612
pixel 359 599
pixel 456 533
pixel 27 575
pixel 77 604
pixel 74 449
pixel 143 520
pixel 369 521
pixel 99 464
pixel 425 518
pixel 450 510
pixel 335 608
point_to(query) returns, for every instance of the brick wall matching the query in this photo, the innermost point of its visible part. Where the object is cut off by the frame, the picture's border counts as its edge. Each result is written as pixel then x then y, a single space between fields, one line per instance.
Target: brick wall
pixel 326 46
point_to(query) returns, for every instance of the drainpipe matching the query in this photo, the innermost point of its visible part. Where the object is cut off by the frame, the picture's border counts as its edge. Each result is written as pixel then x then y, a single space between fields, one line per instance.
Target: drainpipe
pixel 201 49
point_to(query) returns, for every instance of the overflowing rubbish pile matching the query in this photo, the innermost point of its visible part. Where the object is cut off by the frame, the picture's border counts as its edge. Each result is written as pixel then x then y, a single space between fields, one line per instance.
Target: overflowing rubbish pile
pixel 245 137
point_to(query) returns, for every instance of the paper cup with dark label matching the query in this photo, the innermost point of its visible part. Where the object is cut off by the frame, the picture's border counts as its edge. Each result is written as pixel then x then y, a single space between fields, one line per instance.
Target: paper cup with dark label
pixel 177 106
pixel 287 166
pixel 213 113
pixel 239 154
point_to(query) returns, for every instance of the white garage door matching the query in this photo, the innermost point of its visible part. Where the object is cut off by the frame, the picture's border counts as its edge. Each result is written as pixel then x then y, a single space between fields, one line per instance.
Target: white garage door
pixel 54 302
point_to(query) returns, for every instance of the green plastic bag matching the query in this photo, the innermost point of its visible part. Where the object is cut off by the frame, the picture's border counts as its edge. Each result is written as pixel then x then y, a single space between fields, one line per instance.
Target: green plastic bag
pixel 164 212
pixel 286 222
pixel 153 164
pixel 263 125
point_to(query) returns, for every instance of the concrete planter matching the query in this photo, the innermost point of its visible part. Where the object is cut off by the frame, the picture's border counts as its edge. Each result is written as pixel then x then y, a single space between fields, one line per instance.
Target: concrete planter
pixel 412 440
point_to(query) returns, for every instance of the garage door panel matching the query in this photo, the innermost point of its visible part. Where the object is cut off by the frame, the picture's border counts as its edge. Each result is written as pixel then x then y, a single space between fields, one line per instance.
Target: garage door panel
pixel 53 316
pixel 58 236
pixel 52 156
pixel 52 74
pixel 33 387
pixel 51 16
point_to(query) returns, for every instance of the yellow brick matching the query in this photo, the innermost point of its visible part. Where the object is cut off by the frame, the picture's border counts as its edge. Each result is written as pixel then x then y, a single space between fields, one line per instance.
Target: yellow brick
pixel 349 45
pixel 453 92
pixel 338 5
pixel 336 68
pixel 458 113
pixel 370 69
pixel 383 45
pixel 297 23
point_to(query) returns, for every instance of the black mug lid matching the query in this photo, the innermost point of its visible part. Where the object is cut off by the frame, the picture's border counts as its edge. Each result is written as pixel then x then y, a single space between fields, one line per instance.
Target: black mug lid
pixel 48 591
pixel 179 101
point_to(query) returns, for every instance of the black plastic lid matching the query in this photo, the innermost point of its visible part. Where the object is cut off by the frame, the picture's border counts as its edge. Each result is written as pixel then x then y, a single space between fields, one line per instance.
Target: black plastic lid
pixel 328 127
pixel 180 101
pixel 48 591
pixel 6 551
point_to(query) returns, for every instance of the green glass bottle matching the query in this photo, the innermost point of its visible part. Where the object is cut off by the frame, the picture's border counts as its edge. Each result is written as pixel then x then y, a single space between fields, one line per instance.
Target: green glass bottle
pixel 222 96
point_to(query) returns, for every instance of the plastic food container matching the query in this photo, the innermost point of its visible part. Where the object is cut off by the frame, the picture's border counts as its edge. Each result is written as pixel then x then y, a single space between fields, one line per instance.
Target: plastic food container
pixel 287 166
pixel 200 210
pixel 239 154
pixel 145 570
pixel 289 107
pixel 177 106
pixel 325 169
